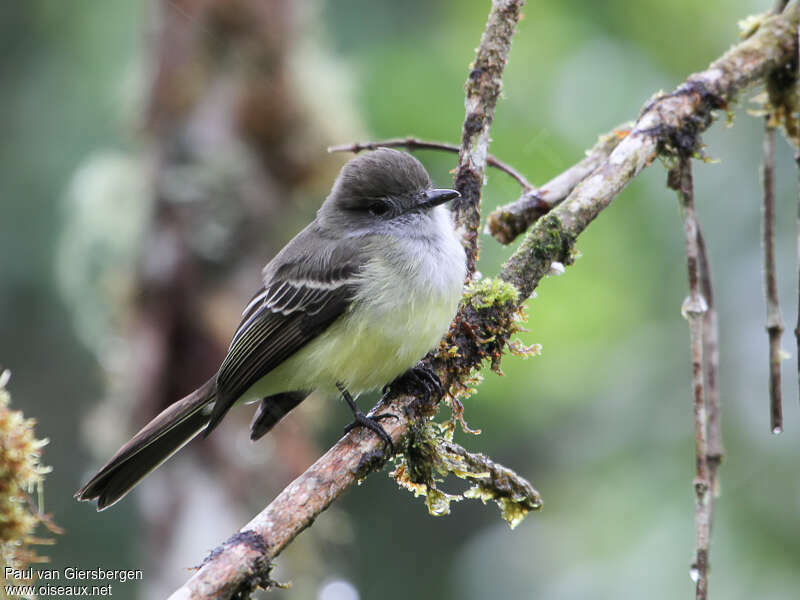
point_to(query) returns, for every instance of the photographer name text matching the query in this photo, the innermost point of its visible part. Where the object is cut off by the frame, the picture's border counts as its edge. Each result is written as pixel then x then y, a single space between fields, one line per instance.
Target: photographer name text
pixel 73 574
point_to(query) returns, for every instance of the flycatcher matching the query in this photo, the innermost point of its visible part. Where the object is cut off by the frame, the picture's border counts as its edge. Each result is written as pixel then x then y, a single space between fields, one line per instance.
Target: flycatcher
pixel 349 304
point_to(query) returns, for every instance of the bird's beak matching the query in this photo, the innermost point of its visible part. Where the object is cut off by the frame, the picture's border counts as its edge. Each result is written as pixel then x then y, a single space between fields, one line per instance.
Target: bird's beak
pixel 433 198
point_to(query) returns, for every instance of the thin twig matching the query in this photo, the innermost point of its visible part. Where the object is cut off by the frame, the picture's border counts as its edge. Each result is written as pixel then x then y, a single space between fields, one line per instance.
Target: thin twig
pixel 507 222
pixel 779 6
pixel 716 449
pixel 413 143
pixel 797 162
pixel 694 309
pixel 238 564
pixel 482 92
pixel 774 319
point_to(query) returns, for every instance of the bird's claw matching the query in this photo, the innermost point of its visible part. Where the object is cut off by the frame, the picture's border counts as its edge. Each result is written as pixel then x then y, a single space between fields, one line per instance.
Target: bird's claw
pixel 362 420
pixel 373 424
pixel 420 381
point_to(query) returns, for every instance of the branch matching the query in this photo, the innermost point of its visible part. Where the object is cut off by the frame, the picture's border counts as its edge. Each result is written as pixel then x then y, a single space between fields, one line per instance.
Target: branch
pixel 507 222
pixel 716 450
pixel 774 320
pixel 694 309
pixel 483 89
pixel 668 123
pixel 797 165
pixel 236 565
pixel 413 143
pixel 431 456
pixel 487 317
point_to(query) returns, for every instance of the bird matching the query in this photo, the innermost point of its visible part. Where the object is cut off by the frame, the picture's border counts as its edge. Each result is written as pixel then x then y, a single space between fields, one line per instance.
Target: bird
pixel 350 304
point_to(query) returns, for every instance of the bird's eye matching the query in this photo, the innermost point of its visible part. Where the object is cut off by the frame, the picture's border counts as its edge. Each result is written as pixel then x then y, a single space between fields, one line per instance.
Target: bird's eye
pixel 378 209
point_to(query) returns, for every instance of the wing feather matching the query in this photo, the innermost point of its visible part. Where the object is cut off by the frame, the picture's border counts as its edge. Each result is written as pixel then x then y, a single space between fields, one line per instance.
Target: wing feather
pixel 293 307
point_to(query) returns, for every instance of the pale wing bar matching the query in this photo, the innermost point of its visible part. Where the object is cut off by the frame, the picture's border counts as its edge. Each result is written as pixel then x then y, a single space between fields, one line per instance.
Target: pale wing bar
pixel 284 316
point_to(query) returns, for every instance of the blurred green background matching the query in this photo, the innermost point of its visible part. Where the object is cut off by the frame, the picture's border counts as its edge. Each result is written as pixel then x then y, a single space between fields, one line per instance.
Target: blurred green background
pixel 601 422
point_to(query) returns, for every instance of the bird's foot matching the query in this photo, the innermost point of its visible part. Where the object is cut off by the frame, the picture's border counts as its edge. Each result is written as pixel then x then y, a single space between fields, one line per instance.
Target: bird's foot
pixel 421 381
pixel 362 420
pixel 372 423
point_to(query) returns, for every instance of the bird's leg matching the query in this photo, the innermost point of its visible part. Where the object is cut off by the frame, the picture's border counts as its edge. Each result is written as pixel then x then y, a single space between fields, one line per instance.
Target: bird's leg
pixel 362 420
pixel 419 381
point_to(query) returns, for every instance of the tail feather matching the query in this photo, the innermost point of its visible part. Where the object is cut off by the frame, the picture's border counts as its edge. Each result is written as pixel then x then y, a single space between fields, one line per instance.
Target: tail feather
pixel 155 443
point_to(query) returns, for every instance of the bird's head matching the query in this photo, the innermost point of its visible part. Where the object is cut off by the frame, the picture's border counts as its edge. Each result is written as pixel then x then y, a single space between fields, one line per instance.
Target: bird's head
pixel 382 190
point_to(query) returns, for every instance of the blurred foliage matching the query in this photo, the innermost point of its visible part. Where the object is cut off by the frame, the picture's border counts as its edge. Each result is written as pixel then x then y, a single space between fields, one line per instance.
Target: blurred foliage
pixel 600 423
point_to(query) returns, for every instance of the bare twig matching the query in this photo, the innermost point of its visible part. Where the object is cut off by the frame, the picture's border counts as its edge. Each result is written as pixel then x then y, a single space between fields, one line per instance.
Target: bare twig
pixel 797 163
pixel 507 222
pixel 413 143
pixel 238 564
pixel 483 89
pixel 716 450
pixel 774 319
pixel 797 327
pixel 779 6
pixel 694 309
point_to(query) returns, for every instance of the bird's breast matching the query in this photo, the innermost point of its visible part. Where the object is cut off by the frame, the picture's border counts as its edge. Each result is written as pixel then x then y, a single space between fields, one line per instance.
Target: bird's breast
pixel 407 295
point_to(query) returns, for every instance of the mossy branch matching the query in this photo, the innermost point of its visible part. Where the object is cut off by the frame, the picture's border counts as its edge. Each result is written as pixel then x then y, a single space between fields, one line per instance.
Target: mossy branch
pixel 483 88
pixel 507 222
pixel 431 455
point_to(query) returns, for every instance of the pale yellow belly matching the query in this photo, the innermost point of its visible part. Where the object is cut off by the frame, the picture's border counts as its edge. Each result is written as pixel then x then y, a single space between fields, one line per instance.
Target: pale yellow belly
pixel 364 349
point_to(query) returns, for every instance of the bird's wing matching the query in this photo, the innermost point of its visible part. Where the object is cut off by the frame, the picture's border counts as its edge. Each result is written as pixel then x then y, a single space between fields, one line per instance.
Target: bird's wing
pixel 299 300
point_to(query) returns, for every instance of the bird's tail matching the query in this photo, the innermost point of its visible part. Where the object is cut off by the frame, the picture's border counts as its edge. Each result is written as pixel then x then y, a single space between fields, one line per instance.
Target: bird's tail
pixel 156 442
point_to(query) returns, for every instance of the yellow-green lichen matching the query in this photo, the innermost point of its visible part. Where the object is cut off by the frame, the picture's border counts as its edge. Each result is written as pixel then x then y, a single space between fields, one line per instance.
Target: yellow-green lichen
pixel 750 24
pixel 490 291
pixel 431 456
pixel 513 509
pixel 489 315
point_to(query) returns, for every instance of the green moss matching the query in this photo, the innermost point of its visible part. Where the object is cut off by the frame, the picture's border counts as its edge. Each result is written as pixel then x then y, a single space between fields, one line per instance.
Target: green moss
pixel 490 292
pixel 551 243
pixel 488 317
pixel 418 469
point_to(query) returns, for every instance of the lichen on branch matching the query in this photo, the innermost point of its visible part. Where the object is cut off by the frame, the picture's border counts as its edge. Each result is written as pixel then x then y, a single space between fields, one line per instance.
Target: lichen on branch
pixel 431 455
